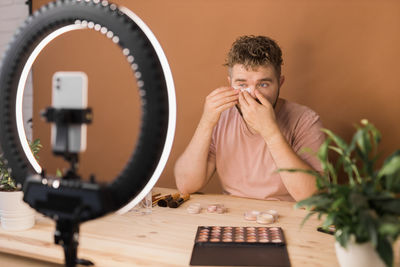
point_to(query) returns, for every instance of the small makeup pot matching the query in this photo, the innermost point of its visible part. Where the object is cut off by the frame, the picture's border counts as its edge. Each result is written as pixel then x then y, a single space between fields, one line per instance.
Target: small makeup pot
pixel 251 215
pixel 265 218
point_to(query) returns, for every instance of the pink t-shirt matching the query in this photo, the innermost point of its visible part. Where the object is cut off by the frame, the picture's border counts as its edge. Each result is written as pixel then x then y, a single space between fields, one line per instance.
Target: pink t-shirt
pixel 243 161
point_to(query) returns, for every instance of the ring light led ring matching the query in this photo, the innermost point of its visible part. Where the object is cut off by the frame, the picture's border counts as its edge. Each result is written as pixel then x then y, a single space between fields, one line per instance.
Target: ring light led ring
pixel 146 59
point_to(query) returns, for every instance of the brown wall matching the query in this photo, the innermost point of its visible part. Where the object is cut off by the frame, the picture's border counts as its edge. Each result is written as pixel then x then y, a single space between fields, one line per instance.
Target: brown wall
pixel 340 58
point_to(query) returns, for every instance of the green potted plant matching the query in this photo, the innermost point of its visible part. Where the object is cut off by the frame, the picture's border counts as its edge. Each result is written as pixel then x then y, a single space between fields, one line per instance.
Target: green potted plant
pixel 15 214
pixel 365 211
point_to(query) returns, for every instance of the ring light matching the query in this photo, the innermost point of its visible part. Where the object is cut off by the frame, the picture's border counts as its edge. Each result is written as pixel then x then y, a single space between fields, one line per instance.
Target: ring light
pixel 156 89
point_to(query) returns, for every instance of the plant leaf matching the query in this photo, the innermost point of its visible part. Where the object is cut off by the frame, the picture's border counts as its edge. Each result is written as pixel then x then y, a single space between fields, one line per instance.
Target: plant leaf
pixel 387 206
pixel 385 251
pixel 338 202
pixel 343 236
pixel 348 166
pixel 389 229
pixel 311 213
pixel 311 172
pixel 318 201
pixel 339 141
pixel 7 181
pixel 59 173
pixel 391 165
pixel 329 220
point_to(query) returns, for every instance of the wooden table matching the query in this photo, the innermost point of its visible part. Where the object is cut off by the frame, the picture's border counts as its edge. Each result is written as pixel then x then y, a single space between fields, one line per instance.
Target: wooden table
pixel 165 237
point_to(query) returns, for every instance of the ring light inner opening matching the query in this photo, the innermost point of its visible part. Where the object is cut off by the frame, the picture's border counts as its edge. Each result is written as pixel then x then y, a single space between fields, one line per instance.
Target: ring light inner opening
pixel 112 94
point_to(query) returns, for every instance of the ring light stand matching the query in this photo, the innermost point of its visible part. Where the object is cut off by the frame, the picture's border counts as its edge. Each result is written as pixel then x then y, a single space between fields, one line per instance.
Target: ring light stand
pixel 72 201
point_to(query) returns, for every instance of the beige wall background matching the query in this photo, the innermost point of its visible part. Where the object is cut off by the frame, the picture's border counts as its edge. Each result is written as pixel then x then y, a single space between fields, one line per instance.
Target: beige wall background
pixel 341 58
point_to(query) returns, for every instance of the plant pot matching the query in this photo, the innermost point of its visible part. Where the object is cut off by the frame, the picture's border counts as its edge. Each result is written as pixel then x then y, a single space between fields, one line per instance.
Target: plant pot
pixel 358 255
pixel 15 214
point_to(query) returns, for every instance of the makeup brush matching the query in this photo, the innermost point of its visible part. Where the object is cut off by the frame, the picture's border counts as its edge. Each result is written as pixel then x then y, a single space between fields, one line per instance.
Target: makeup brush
pixel 164 202
pixel 177 203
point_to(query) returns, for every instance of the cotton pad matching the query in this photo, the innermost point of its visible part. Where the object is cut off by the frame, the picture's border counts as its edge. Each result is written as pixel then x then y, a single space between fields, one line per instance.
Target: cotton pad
pixel 243 89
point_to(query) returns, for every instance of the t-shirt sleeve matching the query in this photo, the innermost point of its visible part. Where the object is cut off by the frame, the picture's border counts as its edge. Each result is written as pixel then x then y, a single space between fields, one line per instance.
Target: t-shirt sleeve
pixel 309 138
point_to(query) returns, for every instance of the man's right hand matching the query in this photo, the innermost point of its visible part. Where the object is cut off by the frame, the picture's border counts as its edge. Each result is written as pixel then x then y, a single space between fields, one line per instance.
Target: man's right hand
pixel 216 102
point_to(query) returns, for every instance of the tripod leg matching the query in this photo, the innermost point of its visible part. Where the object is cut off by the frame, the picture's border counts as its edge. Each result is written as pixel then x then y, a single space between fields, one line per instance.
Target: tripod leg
pixel 67 235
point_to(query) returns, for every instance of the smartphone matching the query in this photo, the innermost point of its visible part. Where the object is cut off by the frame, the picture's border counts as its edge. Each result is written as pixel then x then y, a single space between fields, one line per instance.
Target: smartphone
pixel 69 91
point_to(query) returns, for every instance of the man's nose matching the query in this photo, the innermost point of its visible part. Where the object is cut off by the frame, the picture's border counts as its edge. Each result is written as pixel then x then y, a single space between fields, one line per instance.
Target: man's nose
pixel 252 91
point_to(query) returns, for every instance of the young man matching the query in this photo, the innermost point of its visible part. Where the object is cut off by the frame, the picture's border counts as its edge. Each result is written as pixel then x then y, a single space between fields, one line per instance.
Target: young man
pixel 247 132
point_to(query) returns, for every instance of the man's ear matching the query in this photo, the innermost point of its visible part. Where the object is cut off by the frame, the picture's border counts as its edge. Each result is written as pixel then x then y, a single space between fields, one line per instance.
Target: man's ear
pixel 229 79
pixel 281 80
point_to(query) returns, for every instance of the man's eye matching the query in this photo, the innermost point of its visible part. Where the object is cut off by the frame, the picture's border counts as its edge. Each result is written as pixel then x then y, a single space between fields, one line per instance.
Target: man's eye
pixel 263 85
pixel 242 85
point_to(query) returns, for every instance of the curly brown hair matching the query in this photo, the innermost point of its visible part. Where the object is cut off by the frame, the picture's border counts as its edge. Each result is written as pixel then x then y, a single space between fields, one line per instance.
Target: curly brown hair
pixel 254 51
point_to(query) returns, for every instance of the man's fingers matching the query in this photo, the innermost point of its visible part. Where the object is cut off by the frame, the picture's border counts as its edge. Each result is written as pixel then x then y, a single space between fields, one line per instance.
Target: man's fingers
pixel 225 100
pixel 223 95
pixel 262 99
pixel 249 99
pixel 226 106
pixel 220 90
pixel 242 99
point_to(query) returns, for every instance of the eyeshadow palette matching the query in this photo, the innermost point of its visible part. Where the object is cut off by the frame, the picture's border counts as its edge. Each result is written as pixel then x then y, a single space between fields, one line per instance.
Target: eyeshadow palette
pixel 240 246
